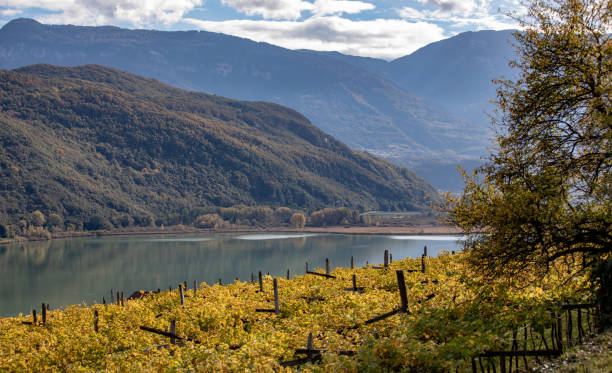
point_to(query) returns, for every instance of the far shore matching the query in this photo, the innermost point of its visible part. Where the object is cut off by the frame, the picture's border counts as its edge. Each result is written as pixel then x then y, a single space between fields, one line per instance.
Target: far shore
pixel 365 230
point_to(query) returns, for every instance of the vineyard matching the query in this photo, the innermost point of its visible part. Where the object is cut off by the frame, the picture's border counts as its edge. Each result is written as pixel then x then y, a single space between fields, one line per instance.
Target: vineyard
pixel 351 319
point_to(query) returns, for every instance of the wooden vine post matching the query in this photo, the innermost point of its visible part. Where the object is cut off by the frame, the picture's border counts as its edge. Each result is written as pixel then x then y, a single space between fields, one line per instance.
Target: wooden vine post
pixel 182 294
pixel 402 290
pixel 276 308
pixel 173 331
pixel 276 300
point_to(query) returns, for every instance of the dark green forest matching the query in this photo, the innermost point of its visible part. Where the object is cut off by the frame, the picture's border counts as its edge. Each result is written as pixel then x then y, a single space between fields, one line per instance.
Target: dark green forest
pixel 95 146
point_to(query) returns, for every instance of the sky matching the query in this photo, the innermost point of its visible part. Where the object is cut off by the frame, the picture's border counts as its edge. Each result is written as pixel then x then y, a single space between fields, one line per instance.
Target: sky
pixel 383 29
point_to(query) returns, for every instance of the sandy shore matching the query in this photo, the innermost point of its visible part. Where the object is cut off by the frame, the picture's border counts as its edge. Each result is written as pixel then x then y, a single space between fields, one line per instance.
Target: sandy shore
pixel 418 229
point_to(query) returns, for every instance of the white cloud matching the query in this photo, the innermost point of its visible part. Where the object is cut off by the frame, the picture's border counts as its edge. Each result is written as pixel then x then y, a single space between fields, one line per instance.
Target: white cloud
pixel 327 7
pixel 10 12
pixel 293 9
pixel 97 12
pixel 383 38
pixel 270 9
pixel 451 6
pixel 310 24
pixel 473 14
pixel 411 13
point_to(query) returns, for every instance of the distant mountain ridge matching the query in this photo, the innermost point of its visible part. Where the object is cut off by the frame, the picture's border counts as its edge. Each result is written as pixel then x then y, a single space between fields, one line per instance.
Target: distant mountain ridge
pixel 455 73
pixel 94 140
pixel 364 102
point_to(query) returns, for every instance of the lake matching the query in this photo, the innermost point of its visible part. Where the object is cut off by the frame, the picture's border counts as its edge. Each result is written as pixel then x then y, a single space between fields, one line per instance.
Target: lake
pixel 73 271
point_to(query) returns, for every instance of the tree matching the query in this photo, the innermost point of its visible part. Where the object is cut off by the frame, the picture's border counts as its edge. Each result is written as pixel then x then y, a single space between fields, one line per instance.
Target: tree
pixel 544 196
pixel 298 220
pixel 97 222
pixel 208 221
pixel 283 215
pixel 22 224
pixel 55 220
pixel 37 218
pixel 7 231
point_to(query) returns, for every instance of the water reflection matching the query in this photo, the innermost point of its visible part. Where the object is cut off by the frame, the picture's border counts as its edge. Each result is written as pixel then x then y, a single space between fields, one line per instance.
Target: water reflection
pixel 62 272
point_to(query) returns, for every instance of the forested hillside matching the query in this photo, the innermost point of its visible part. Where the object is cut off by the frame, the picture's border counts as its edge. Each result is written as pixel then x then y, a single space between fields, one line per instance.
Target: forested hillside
pixel 92 141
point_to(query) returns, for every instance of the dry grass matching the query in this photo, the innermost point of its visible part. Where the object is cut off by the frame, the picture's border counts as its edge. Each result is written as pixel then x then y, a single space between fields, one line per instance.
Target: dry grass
pixel 593 356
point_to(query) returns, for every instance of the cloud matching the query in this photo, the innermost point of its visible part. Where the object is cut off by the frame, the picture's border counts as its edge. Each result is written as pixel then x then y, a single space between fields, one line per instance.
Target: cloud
pixel 98 12
pixel 328 7
pixel 473 14
pixel 451 6
pixel 383 38
pixel 296 24
pixel 270 9
pixel 10 12
pixel 293 9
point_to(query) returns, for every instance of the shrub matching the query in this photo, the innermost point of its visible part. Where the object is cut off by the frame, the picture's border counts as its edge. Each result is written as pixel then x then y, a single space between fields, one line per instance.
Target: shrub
pixel 97 222
pixel 209 221
pixel 7 231
pixel 55 220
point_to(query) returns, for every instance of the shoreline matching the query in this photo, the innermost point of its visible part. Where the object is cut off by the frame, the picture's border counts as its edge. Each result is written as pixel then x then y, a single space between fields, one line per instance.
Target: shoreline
pixel 360 230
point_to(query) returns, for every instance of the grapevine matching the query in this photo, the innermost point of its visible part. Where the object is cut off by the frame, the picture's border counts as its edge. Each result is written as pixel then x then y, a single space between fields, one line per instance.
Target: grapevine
pixel 452 315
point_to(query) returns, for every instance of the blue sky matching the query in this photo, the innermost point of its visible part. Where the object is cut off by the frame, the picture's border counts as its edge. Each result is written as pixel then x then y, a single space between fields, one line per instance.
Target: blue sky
pixel 384 28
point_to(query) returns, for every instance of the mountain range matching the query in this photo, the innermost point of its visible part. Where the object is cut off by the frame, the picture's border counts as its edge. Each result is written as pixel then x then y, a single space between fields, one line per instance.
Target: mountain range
pixel 425 110
pixel 92 140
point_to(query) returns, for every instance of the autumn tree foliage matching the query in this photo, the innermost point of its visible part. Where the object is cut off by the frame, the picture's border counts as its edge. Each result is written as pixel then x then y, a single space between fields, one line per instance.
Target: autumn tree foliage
pixel 298 220
pixel 37 218
pixel 543 198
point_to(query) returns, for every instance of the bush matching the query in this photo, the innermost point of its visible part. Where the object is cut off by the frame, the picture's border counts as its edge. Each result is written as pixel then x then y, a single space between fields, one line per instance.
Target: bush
pixel 143 220
pixel 22 224
pixel 208 221
pixel 97 222
pixel 123 221
pixel 7 231
pixel 55 221
pixel 334 216
pixel 38 232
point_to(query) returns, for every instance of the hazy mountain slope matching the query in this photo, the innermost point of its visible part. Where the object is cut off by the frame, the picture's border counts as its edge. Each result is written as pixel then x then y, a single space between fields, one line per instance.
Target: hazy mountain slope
pixel 457 73
pixel 454 73
pixel 88 140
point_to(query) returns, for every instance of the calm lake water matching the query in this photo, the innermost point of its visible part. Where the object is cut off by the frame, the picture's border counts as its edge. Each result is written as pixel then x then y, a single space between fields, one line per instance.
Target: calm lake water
pixel 73 271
